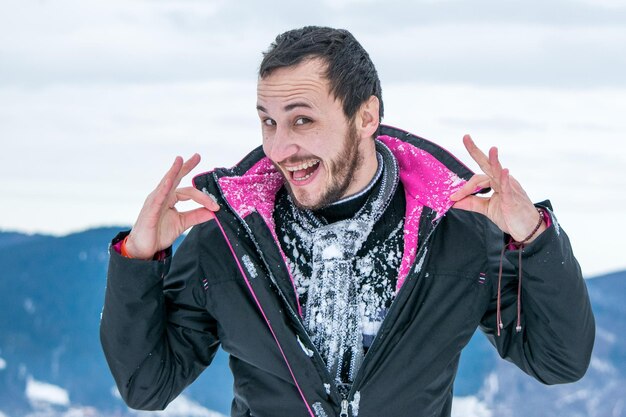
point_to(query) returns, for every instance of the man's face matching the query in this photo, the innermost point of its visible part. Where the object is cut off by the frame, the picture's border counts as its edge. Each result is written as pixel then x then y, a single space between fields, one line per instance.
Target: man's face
pixel 308 137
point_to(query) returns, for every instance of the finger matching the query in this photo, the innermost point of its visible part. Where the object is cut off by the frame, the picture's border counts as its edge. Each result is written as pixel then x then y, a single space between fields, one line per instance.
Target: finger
pixel 191 193
pixel 165 195
pixel 511 189
pixel 496 168
pixel 522 216
pixel 172 173
pixel 175 175
pixel 494 161
pixel 512 193
pixel 475 183
pixel 477 155
pixel 187 167
pixel 196 216
pixel 505 182
pixel 165 186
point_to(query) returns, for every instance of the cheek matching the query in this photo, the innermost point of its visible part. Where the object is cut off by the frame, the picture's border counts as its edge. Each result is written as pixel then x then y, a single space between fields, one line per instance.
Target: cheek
pixel 331 148
pixel 266 143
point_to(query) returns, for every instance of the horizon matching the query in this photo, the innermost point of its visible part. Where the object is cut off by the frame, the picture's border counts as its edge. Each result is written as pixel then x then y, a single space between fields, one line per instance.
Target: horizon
pixel 599 274
pixel 97 99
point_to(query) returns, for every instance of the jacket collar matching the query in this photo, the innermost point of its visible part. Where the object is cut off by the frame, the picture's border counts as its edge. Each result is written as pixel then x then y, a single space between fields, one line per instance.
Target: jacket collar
pixel 429 175
pixel 429 178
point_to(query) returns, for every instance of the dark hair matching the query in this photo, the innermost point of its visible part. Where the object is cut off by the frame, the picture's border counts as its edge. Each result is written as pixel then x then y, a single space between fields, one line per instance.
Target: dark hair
pixel 350 71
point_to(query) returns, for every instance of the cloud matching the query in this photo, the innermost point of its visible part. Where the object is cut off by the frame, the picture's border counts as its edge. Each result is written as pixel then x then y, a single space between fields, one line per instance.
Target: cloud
pixel 72 42
pixel 564 44
pixel 503 54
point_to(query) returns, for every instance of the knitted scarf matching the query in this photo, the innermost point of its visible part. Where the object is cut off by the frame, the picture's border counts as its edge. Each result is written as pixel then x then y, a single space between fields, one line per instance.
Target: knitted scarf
pixel 344 277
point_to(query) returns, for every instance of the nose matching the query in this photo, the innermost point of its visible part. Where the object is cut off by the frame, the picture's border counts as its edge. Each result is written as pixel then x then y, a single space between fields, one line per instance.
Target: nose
pixel 279 145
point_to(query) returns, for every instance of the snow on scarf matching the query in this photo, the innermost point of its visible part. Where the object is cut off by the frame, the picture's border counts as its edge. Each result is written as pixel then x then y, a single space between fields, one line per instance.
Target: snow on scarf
pixel 341 304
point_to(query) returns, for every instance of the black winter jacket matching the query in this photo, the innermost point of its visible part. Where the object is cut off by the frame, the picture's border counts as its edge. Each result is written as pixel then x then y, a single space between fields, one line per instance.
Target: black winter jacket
pixel 228 285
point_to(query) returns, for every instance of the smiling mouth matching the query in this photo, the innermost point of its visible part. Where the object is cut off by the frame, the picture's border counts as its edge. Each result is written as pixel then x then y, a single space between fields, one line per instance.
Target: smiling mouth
pixel 303 171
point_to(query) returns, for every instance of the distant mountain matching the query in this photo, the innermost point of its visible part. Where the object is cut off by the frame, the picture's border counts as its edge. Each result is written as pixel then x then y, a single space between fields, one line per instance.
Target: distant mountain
pixel 51 363
pixel 507 392
pixel 51 295
pixel 14 238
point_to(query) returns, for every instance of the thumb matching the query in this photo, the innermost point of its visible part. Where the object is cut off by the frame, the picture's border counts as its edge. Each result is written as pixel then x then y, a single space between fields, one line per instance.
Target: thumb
pixel 196 216
pixel 473 203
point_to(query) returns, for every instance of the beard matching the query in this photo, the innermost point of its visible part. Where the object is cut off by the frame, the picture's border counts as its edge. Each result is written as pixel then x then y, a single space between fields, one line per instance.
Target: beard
pixel 341 171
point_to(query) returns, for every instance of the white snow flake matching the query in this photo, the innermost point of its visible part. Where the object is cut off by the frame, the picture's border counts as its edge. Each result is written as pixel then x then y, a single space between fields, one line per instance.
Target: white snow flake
pixel 354 404
pixel 247 262
pixel 306 350
pixel 319 411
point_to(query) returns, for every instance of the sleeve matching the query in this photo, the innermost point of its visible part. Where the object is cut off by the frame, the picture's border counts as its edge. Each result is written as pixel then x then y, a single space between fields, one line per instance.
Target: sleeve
pixel 557 325
pixel 156 332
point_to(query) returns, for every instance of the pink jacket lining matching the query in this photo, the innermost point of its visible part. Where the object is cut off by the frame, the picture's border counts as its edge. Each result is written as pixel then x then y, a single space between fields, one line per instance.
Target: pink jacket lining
pixel 427 183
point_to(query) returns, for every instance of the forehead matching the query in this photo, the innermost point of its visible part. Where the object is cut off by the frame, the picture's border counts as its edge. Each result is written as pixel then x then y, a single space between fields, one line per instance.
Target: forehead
pixel 303 81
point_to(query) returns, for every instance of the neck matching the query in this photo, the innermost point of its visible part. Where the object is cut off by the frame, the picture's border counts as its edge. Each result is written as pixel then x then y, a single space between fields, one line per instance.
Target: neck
pixel 368 187
pixel 349 206
pixel 364 176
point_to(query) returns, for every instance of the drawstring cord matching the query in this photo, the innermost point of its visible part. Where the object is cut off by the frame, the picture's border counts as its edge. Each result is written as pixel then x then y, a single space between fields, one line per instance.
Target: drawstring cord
pixel 520 247
pixel 518 327
pixel 498 313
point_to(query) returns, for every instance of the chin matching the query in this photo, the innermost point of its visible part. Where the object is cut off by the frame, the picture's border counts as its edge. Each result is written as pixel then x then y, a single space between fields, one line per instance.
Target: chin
pixel 306 203
pixel 310 199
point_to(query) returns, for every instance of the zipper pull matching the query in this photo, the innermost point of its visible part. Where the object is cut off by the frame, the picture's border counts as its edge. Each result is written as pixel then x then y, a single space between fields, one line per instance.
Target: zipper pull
pixel 344 408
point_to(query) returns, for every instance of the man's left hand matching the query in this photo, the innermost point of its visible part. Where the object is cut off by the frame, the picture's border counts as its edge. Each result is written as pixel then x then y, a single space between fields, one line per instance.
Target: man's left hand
pixel 509 206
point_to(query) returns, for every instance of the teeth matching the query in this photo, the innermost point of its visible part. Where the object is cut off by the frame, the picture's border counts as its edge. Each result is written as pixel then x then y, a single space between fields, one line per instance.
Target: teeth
pixel 303 178
pixel 303 166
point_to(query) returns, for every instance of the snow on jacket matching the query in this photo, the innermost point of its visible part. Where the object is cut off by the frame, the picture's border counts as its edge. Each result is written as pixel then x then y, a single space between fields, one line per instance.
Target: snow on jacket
pixel 228 284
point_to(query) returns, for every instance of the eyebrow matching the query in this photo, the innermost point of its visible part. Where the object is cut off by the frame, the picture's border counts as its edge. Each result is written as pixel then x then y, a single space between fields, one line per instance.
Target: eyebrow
pixel 288 107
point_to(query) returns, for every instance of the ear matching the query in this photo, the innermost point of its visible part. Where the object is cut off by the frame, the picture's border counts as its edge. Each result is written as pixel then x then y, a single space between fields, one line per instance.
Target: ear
pixel 367 117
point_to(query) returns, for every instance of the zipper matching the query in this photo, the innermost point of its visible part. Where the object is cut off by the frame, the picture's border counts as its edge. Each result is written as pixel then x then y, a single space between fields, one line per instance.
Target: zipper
pixel 385 324
pixel 344 408
pixel 340 397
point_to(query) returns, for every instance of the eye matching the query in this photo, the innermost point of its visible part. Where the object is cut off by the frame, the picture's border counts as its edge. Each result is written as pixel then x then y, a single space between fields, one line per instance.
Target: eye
pixel 268 122
pixel 302 121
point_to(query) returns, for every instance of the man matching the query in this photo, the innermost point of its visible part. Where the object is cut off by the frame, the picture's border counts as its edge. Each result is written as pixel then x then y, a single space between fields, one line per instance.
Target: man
pixel 343 274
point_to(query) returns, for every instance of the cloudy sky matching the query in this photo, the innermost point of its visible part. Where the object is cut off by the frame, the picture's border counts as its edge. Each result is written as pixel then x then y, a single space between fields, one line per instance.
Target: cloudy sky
pixel 97 97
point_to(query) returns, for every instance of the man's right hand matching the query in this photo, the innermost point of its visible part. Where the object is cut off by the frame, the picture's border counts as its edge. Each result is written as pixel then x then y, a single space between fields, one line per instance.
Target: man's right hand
pixel 159 223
